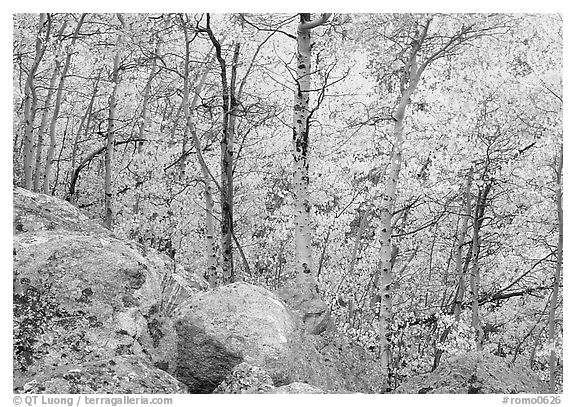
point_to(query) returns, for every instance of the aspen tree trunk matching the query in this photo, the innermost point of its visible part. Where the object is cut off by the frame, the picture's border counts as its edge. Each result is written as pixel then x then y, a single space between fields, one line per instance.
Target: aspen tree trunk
pixel 110 135
pixel 41 130
pixel 86 118
pixel 57 104
pixel 145 100
pixel 59 159
pixel 189 109
pixel 407 87
pixel 460 266
pixel 302 293
pixel 474 282
pixel 229 107
pixel 385 254
pixel 474 268
pixel 211 245
pixel 185 96
pixel 227 181
pixel 30 102
pixel 144 118
pixel 555 288
pixel 300 148
pixel 458 257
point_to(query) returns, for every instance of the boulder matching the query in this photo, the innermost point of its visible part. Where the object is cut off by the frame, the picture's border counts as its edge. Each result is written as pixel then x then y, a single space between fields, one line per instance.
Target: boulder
pixel 82 294
pixel 38 212
pixel 126 374
pixel 246 378
pixel 239 322
pixel 297 388
pixel 304 299
pixel 360 369
pixel 474 372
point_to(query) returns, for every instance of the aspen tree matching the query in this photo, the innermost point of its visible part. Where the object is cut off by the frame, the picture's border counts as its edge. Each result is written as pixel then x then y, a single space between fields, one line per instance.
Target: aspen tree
pixel 110 133
pixel 552 359
pixel 31 98
pixel 413 72
pixel 57 104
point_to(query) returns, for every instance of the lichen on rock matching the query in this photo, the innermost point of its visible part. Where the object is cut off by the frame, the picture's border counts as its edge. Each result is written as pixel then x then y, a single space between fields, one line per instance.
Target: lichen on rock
pixel 474 373
pixel 126 374
pixel 245 378
pixel 82 294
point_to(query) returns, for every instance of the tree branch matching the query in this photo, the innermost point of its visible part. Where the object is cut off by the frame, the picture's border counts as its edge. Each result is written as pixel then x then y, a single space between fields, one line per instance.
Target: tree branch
pixel 313 24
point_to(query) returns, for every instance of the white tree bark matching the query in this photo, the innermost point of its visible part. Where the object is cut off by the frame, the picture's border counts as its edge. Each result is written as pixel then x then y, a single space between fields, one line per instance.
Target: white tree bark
pixel 31 101
pixel 459 248
pixel 300 148
pixel 57 104
pixel 42 129
pixel 408 86
pixel 189 111
pixel 552 360
pixel 111 134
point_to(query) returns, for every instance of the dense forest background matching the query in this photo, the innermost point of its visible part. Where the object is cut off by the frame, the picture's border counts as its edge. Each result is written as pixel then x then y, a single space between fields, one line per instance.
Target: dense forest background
pixel 413 161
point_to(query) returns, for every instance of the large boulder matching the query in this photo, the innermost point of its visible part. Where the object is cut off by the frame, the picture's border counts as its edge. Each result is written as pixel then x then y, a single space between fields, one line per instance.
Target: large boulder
pixel 239 322
pixel 474 372
pixel 125 374
pixel 82 294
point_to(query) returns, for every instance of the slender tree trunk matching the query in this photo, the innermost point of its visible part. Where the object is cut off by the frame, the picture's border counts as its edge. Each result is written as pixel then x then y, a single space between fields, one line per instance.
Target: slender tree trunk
pixel 459 266
pixel 300 144
pixel 555 288
pixel 185 97
pixel 408 86
pixel 300 149
pixel 474 267
pixel 31 100
pixel 229 104
pixel 385 255
pixel 227 180
pixel 110 136
pixel 189 110
pixel 57 104
pixel 59 159
pixel 86 118
pixel 144 120
pixel 145 101
pixel 461 238
pixel 41 130
pixel 302 293
pixel 211 245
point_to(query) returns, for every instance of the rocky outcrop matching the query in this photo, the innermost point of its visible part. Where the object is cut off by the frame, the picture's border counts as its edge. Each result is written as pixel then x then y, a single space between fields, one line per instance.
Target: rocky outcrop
pixel 305 300
pixel 95 313
pixel 359 369
pixel 474 372
pixel 81 294
pixel 120 375
pixel 221 328
pixel 245 378
pixel 248 379
pixel 297 388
